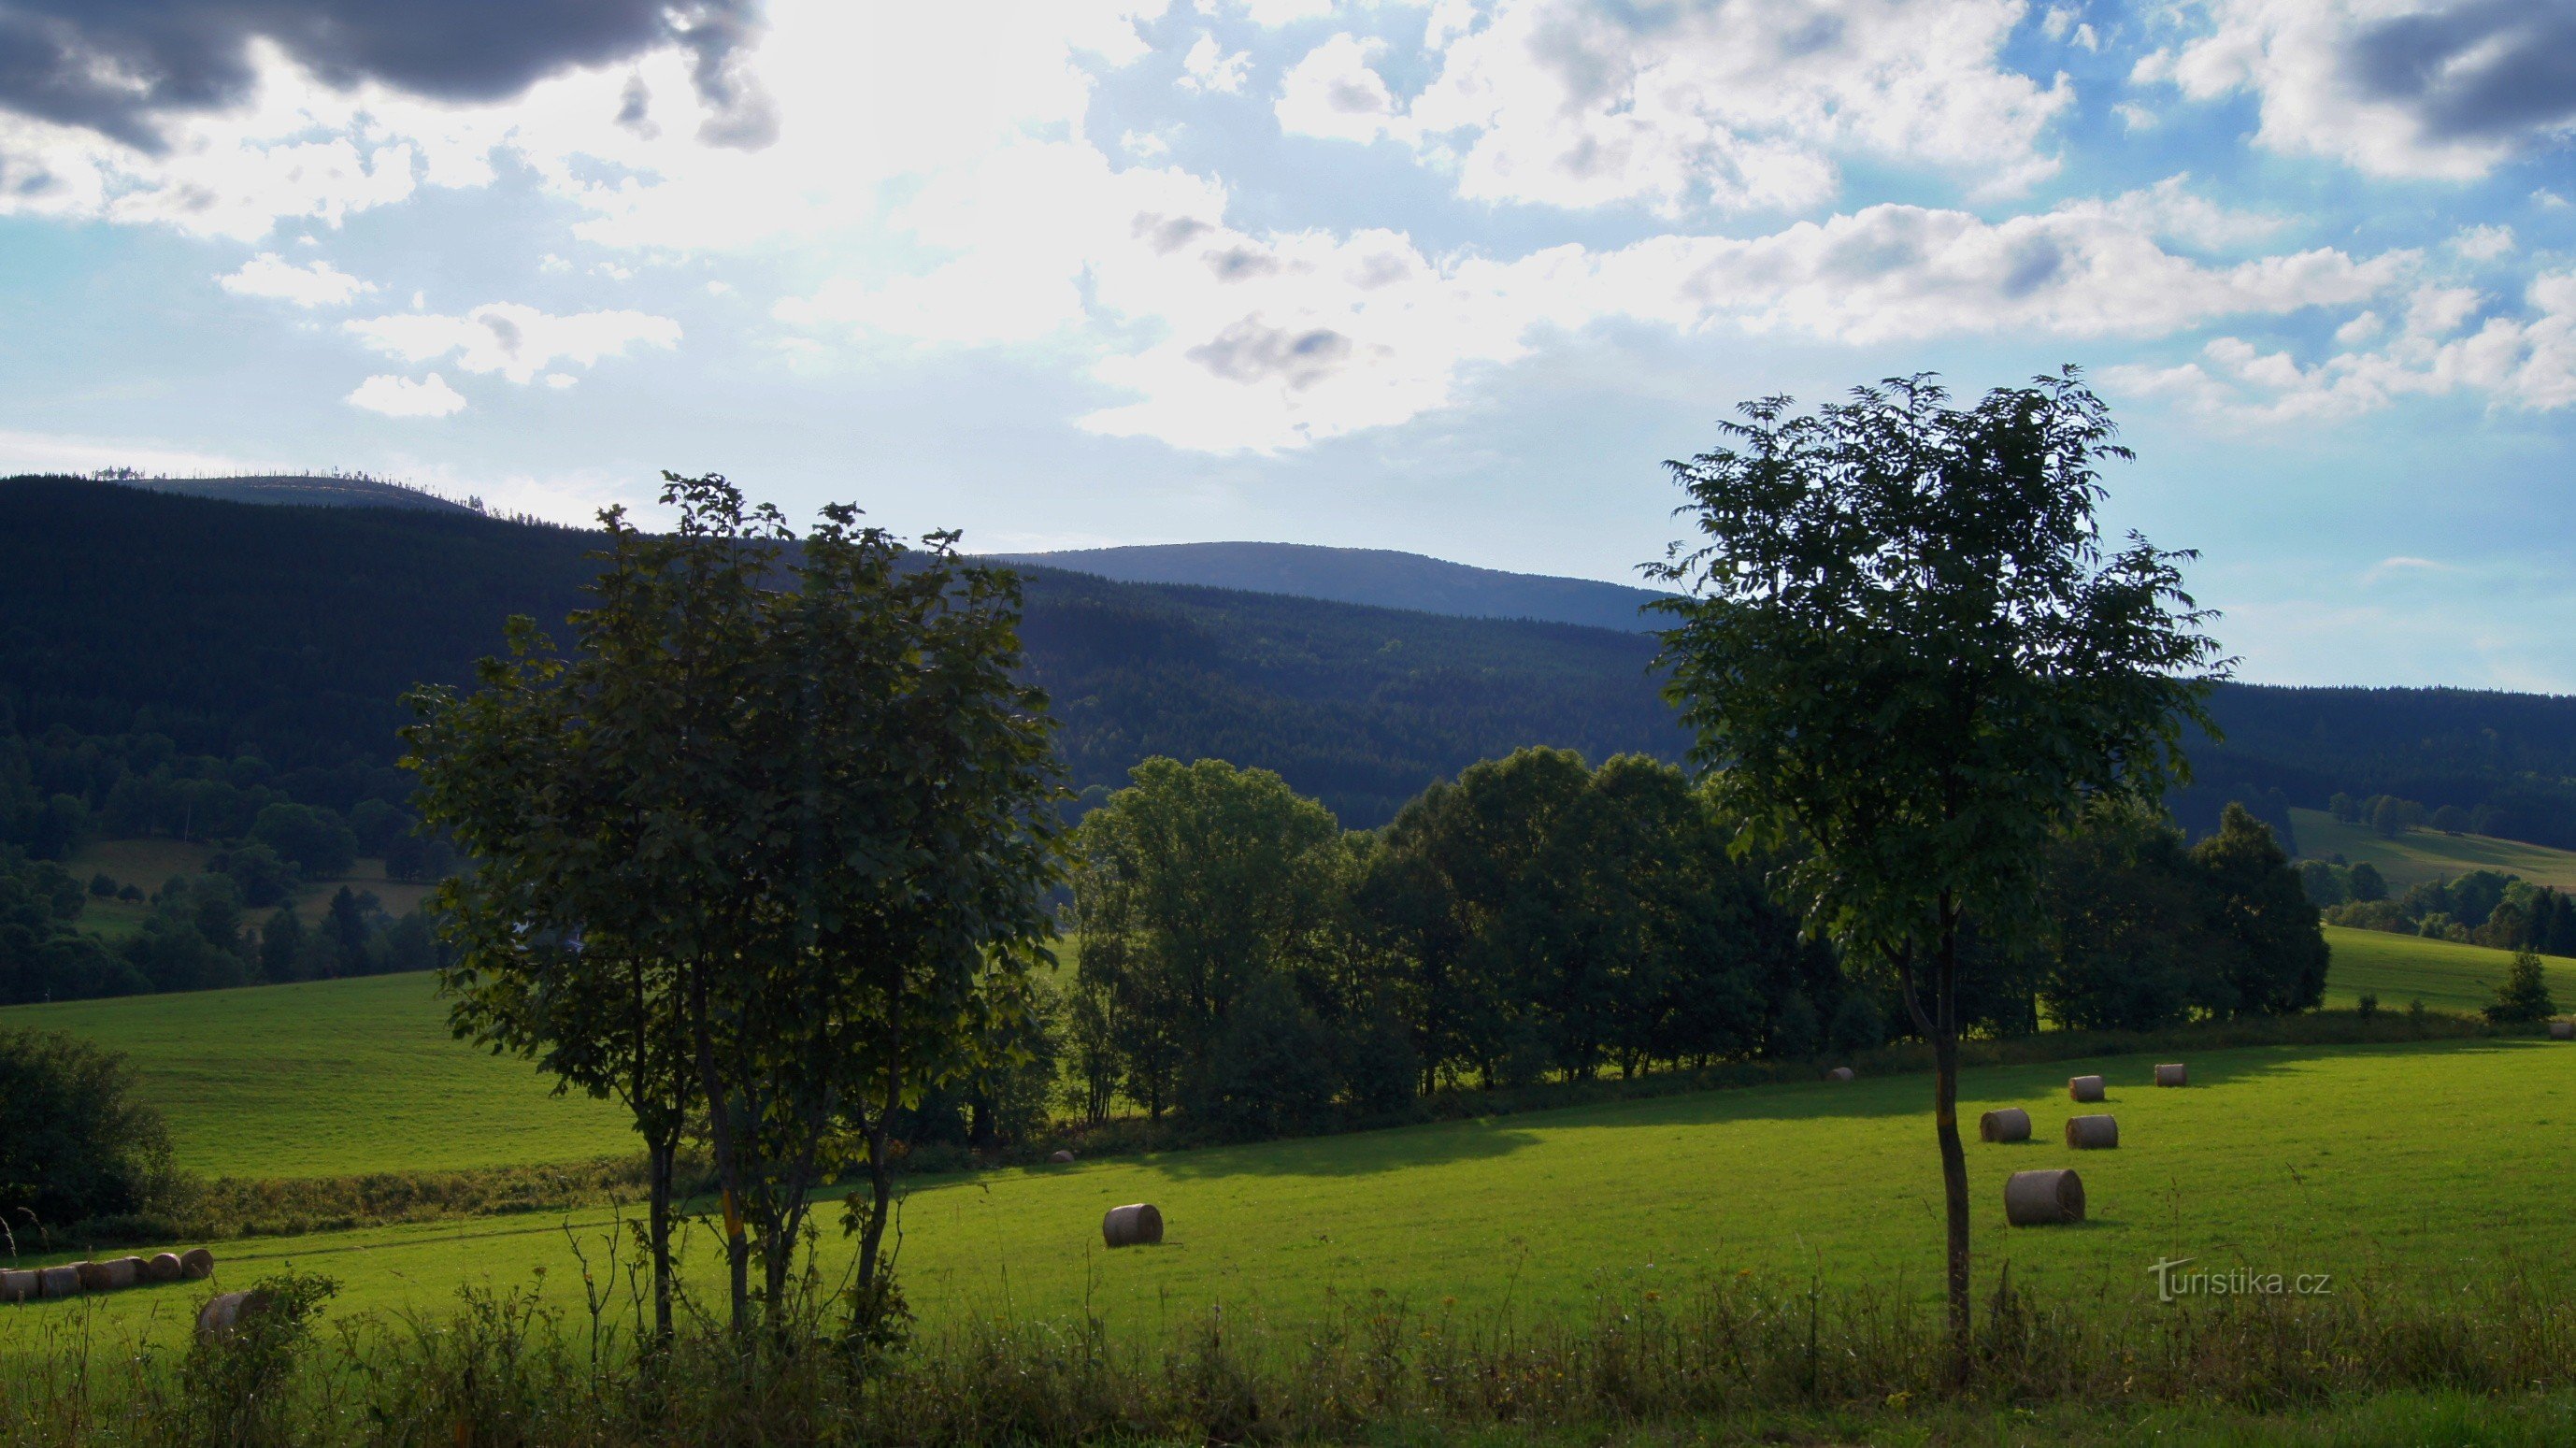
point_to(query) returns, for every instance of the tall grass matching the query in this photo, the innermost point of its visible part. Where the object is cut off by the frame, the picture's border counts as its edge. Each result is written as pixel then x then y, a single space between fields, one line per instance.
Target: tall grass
pixel 1739 1354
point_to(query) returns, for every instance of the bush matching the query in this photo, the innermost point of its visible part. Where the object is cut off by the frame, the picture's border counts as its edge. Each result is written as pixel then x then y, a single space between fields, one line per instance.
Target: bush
pixel 2524 996
pixel 75 1144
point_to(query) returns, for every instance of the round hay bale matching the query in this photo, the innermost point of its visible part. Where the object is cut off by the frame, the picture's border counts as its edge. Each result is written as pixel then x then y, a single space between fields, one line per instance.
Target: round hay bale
pixel 118 1273
pixel 1139 1225
pixel 2092 1133
pixel 161 1267
pixel 196 1264
pixel 2562 1030
pixel 2173 1075
pixel 1061 1158
pixel 2009 1124
pixel 17 1285
pixel 58 1282
pixel 2084 1088
pixel 1839 1073
pixel 2044 1198
pixel 97 1277
pixel 224 1312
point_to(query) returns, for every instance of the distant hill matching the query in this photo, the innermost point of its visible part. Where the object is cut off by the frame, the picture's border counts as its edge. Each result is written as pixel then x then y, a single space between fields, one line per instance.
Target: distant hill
pixel 293 488
pixel 1376 576
pixel 289 633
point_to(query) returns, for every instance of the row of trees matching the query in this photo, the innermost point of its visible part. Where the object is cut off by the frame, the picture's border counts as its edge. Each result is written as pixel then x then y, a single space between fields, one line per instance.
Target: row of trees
pixel 2390 816
pixel 1246 962
pixel 195 935
pixel 2480 907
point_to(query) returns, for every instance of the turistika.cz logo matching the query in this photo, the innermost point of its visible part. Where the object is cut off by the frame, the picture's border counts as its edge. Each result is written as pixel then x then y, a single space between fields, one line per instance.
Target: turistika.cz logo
pixel 2173 1284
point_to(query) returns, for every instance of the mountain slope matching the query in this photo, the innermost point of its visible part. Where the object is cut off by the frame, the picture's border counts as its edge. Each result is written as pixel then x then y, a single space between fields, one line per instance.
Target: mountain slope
pixel 1377 576
pixel 291 632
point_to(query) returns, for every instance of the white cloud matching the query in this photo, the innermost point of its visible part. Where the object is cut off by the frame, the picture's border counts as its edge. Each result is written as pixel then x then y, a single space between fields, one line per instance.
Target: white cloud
pixel 2526 362
pixel 2483 243
pixel 401 397
pixel 1273 13
pixel 1209 70
pixel 515 340
pixel 1736 103
pixel 318 284
pixel 1269 342
pixel 1333 93
pixel 2396 87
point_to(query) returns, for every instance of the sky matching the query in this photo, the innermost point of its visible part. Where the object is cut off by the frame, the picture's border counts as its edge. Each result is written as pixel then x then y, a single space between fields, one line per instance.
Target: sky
pixel 1451 277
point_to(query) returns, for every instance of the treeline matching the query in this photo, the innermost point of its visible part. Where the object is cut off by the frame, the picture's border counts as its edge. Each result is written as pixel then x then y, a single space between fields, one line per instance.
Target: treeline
pixel 2481 907
pixel 196 934
pixel 1249 964
pixel 62 789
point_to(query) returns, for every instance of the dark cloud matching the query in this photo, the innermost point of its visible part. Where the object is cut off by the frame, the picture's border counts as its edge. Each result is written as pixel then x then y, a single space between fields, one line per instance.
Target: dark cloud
pixel 1250 351
pixel 122 67
pixel 2487 70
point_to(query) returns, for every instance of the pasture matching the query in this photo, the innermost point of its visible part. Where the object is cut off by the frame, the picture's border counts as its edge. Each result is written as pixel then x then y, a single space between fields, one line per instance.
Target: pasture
pixel 149 864
pixel 2443 974
pixel 2420 855
pixel 2400 1169
pixel 333 1078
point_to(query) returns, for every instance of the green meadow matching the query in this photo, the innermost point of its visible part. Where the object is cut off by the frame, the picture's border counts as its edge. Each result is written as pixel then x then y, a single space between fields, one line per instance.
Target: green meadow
pixel 336 1078
pixel 2396 1168
pixel 333 1078
pixel 2420 855
pixel 2443 974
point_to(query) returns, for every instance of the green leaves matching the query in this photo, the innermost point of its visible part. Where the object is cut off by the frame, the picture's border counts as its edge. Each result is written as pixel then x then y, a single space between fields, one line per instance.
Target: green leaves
pixel 1906 654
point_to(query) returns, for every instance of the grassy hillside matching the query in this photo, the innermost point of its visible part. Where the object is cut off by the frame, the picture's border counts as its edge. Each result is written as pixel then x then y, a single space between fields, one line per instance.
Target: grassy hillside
pixel 2420 855
pixel 2444 975
pixel 333 1078
pixel 2398 1168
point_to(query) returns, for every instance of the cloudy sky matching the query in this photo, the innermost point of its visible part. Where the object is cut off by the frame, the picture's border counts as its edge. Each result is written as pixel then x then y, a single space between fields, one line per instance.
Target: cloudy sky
pixel 1451 277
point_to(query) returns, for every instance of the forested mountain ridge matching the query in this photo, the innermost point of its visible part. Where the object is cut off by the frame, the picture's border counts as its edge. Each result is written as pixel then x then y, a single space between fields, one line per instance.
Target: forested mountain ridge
pixel 1378 576
pixel 290 632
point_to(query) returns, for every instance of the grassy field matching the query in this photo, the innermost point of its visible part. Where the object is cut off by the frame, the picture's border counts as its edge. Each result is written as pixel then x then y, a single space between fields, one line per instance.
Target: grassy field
pixel 2420 855
pixel 2444 975
pixel 333 1078
pixel 2397 1168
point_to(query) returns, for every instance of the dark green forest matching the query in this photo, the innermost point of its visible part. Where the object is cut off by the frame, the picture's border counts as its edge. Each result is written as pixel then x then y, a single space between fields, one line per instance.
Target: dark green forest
pixel 143 632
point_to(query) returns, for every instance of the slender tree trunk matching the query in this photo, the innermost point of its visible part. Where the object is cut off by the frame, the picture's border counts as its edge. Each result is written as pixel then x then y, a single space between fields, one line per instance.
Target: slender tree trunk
pixel 728 1166
pixel 662 1154
pixel 1945 1118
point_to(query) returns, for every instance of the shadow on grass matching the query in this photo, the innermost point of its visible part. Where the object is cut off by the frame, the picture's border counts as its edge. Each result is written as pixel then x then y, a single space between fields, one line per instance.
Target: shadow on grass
pixel 2038 1085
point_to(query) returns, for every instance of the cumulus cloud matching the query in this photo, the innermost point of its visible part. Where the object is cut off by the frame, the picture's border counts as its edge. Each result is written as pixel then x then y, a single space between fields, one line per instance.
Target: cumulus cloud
pixel 1208 69
pixel 123 70
pixel 517 341
pixel 396 396
pixel 2433 88
pixel 1730 103
pixel 2525 361
pixel 316 284
pixel 1333 93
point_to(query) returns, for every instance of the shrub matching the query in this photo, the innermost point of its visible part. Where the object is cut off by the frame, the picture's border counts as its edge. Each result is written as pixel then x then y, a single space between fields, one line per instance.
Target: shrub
pixel 75 1144
pixel 2524 996
pixel 2368 1006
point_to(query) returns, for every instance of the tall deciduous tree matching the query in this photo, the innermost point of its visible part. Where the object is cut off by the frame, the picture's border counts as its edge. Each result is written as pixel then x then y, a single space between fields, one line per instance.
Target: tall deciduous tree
pixel 1908 657
pixel 770 846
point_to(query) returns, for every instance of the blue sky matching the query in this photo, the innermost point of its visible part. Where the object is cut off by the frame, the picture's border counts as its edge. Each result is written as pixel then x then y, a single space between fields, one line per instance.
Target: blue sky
pixel 1451 277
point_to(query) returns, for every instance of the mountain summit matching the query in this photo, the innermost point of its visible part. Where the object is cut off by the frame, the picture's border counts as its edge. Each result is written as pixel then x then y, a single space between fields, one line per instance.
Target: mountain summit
pixel 1378 576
